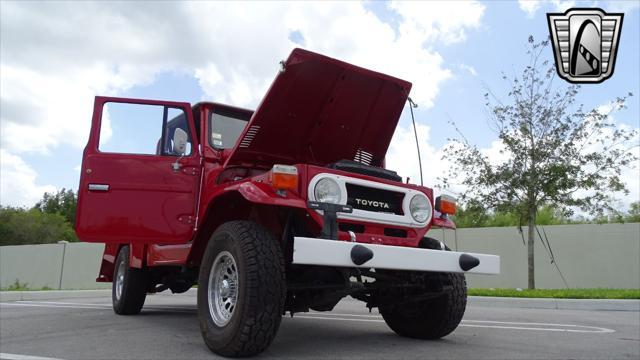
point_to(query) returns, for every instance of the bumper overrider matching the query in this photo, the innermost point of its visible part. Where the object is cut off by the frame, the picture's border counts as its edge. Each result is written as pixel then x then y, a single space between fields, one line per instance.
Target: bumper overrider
pixel 327 251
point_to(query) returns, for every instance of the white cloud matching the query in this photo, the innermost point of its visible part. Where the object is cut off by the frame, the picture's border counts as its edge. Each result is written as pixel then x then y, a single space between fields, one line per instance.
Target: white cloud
pixel 531 6
pixel 441 20
pixel 345 30
pixel 469 68
pixel 18 184
pixel 497 153
pixel 40 111
pixel 54 58
pixel 621 6
pixel 402 156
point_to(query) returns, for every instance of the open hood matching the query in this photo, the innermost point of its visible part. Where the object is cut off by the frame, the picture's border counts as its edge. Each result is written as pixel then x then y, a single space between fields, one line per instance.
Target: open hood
pixel 320 110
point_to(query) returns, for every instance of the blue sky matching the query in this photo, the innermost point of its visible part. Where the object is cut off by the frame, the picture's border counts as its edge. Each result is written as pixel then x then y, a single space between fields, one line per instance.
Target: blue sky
pixel 451 60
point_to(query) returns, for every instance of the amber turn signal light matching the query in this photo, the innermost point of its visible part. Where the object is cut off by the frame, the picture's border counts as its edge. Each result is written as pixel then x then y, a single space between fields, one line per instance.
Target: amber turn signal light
pixel 284 177
pixel 446 204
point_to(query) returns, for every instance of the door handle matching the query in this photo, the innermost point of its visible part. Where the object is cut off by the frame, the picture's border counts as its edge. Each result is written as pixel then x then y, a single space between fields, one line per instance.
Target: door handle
pixel 98 187
pixel 176 165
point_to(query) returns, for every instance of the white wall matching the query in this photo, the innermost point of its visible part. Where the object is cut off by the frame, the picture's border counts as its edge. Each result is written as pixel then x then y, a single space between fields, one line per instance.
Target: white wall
pixel 589 256
pixel 40 266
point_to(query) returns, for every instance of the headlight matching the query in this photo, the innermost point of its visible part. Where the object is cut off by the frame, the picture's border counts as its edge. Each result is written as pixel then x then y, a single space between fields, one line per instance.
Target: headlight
pixel 327 190
pixel 420 208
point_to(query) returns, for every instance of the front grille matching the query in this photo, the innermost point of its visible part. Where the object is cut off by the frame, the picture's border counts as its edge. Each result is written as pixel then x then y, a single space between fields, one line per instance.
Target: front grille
pixel 395 232
pixel 356 228
pixel 376 200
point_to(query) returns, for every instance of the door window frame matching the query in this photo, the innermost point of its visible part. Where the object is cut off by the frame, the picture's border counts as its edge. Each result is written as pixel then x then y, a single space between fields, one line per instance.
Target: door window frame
pixel 100 101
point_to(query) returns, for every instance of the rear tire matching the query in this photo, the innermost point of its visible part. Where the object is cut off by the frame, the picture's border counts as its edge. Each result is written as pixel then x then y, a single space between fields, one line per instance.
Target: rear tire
pixel 241 289
pixel 432 318
pixel 129 289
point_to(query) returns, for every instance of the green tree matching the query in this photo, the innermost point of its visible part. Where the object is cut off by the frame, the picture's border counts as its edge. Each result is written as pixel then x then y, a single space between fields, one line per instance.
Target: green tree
pixel 634 212
pixel 21 227
pixel 548 215
pixel 473 214
pixel 557 153
pixel 477 215
pixel 63 202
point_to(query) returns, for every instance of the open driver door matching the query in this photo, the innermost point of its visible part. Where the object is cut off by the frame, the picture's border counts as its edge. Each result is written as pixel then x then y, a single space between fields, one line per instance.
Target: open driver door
pixel 140 173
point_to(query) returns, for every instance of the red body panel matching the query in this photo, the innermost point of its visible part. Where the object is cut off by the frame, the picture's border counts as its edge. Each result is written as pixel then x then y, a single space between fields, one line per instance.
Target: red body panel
pixel 443 222
pixel 137 254
pixel 159 255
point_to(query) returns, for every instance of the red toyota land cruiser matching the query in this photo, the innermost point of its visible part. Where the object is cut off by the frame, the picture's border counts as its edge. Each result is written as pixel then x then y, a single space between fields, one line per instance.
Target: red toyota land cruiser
pixel 282 209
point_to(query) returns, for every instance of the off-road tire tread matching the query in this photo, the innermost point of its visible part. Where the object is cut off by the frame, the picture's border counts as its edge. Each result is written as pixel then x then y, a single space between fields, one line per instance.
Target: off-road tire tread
pixel 440 316
pixel 134 289
pixel 265 296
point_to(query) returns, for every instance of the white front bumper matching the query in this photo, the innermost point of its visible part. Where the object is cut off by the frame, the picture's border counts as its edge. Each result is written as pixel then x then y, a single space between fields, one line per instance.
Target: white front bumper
pixel 311 251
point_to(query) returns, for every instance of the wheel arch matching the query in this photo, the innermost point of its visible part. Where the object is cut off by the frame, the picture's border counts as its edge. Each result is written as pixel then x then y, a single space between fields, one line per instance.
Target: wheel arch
pixel 137 259
pixel 233 205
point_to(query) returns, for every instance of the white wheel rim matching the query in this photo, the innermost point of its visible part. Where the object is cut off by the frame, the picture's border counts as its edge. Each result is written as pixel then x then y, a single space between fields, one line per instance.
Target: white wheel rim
pixel 223 288
pixel 120 279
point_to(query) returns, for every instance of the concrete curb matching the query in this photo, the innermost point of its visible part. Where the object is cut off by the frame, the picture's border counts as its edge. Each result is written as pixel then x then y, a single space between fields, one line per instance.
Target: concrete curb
pixel 556 304
pixel 52 294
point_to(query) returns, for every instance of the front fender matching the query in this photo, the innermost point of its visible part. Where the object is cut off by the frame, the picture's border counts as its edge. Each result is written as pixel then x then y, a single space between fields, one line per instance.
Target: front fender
pixel 237 202
pixel 261 193
pixel 443 223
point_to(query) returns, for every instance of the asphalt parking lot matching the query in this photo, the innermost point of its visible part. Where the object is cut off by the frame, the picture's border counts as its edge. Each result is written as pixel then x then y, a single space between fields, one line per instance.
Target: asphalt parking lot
pixel 167 328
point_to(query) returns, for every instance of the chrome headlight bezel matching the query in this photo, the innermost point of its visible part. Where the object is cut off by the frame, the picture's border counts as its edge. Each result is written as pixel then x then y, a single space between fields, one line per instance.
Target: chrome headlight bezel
pixel 327 190
pixel 420 208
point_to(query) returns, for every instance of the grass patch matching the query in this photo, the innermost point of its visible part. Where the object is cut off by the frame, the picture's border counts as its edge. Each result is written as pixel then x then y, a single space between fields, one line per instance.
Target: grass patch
pixel 559 293
pixel 18 286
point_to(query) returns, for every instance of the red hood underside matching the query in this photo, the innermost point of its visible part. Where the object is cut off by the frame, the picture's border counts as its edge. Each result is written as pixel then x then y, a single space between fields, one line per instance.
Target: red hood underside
pixel 320 110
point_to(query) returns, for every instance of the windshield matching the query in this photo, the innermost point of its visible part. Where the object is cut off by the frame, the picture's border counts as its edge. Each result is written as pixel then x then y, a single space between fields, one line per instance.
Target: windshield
pixel 226 126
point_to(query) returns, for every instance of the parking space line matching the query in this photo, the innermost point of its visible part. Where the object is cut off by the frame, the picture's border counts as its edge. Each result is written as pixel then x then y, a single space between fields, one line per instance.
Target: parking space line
pixel 45 305
pixel 587 329
pixel 341 314
pixel 72 305
pixel 489 324
pixel 335 318
pixel 108 305
pixel 64 303
pixel 507 325
pixel 6 356
pixel 540 324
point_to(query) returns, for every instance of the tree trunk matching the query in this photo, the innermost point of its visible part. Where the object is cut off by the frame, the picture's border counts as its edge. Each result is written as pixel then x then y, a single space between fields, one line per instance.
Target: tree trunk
pixel 530 248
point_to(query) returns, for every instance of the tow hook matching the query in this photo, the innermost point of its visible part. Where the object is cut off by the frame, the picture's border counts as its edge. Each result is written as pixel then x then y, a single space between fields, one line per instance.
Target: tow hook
pixel 330 217
pixel 468 262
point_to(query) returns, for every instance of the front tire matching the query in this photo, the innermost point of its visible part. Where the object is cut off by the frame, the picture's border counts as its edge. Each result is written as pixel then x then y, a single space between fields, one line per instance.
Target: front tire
pixel 432 318
pixel 129 288
pixel 241 290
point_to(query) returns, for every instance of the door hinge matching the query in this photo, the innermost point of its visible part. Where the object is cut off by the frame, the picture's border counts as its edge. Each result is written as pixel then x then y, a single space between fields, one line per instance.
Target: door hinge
pixel 186 219
pixel 190 170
